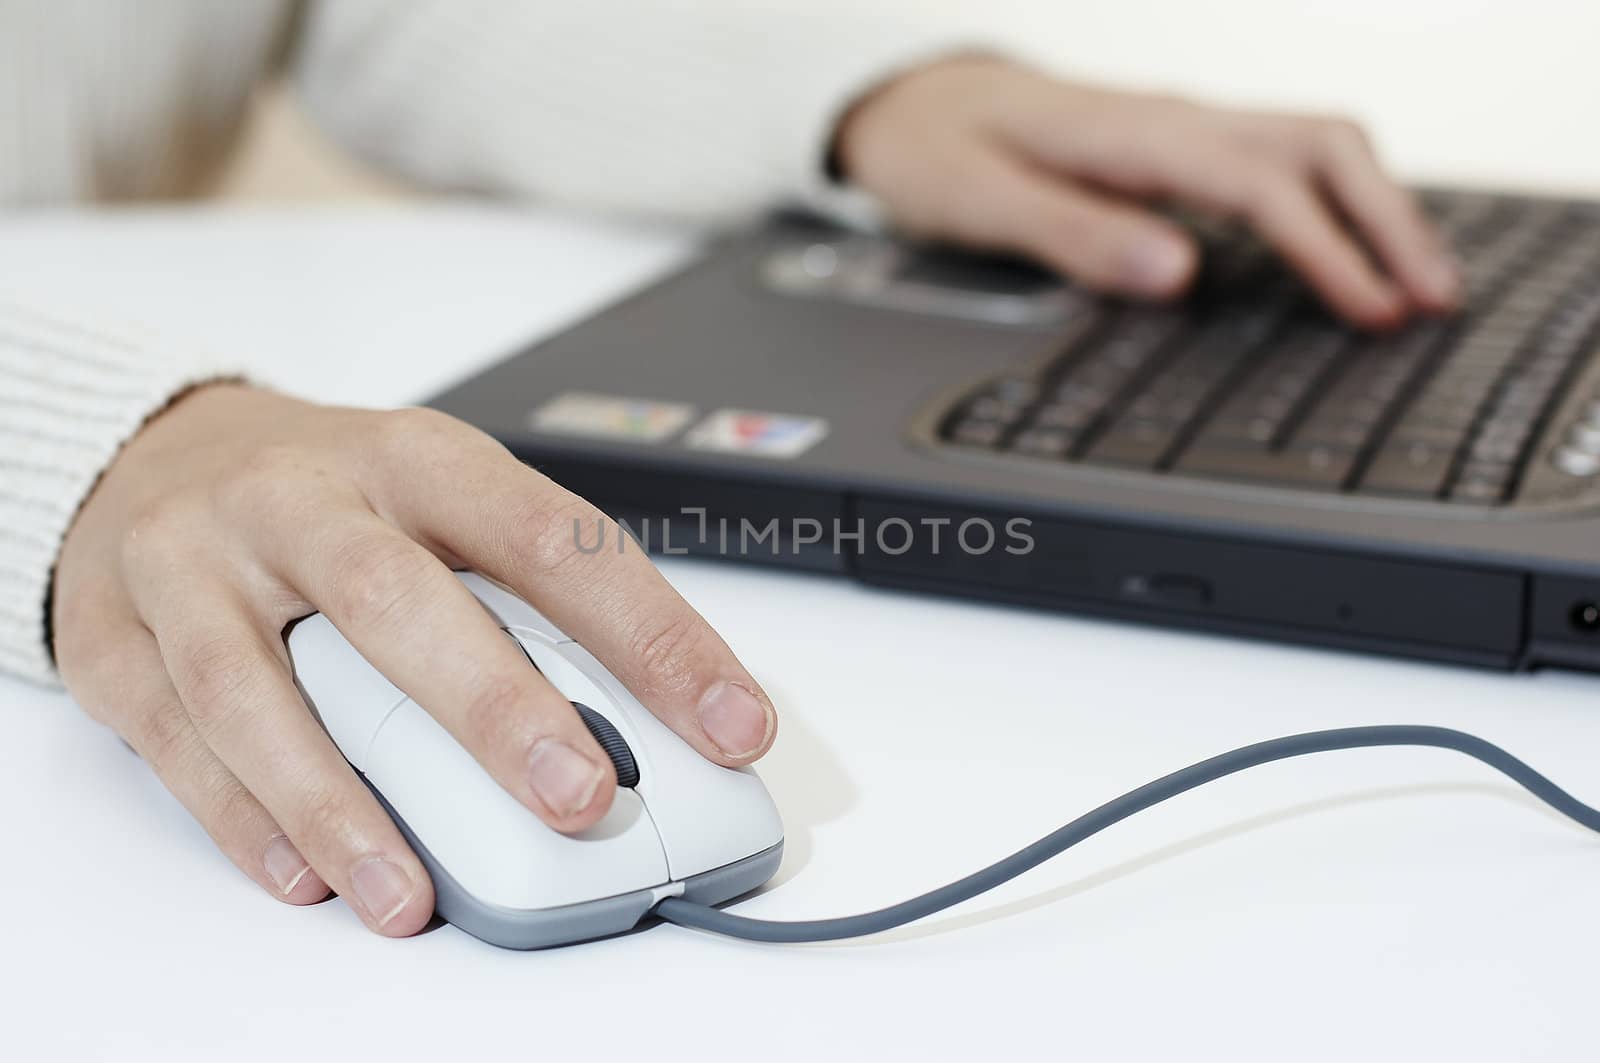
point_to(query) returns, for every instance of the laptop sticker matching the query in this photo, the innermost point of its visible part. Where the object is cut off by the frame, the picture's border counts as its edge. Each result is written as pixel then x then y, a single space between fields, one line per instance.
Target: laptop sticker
pixel 581 413
pixel 769 435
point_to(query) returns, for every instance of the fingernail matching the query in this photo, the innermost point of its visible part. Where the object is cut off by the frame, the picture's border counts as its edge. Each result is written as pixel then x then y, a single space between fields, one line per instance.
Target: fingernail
pixel 1157 267
pixel 734 719
pixel 564 779
pixel 382 888
pixel 284 864
pixel 1392 309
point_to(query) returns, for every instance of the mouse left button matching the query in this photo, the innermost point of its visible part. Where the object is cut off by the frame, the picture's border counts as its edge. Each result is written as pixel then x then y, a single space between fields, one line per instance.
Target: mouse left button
pixel 349 696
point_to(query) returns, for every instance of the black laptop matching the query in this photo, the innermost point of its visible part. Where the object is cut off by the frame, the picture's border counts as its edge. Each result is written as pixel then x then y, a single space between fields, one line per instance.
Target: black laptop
pixel 922 418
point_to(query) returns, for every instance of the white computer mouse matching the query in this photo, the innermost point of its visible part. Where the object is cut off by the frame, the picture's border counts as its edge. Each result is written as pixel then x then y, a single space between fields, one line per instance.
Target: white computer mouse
pixel 684 827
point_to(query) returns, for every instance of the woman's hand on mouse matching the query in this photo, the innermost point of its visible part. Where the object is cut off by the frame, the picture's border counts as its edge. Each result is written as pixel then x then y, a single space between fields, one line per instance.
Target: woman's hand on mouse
pixel 237 511
pixel 990 154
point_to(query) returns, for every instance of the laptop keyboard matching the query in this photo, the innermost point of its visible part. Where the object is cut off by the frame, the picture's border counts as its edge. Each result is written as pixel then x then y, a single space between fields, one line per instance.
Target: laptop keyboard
pixel 1250 380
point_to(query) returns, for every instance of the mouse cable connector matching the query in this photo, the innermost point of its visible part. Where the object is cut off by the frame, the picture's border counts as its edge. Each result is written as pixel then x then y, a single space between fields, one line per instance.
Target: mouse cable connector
pixel 703 917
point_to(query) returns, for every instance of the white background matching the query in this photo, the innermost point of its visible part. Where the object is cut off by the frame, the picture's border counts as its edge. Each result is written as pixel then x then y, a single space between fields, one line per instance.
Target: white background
pixel 1382 904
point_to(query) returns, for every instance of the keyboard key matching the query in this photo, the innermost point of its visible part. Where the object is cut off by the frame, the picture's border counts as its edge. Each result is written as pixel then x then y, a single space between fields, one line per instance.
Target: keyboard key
pixel 1498 449
pixel 1156 405
pixel 1575 462
pixel 1133 441
pixel 1238 431
pixel 1442 415
pixel 992 408
pixel 1099 378
pixel 974 433
pixel 1082 393
pixel 1484 492
pixel 1482 482
pixel 1584 436
pixel 1448 437
pixel 1016 389
pixel 1128 354
pixel 1318 467
pixel 1068 416
pixel 1334 429
pixel 1413 469
pixel 1043 443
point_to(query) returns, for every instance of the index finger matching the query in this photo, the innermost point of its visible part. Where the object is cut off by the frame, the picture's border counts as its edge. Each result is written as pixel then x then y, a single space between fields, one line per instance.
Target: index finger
pixel 413 620
pixel 1388 216
pixel 485 508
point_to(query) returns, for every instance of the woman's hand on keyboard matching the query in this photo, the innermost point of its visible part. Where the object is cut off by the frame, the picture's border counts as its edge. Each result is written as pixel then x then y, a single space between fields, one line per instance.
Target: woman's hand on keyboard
pixel 990 154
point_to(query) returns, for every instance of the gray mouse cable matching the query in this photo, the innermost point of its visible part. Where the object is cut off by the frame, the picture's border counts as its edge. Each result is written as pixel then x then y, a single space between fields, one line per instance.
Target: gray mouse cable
pixel 703 917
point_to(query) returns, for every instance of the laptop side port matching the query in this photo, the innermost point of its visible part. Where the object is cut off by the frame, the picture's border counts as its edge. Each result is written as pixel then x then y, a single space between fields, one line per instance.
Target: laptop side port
pixel 1564 622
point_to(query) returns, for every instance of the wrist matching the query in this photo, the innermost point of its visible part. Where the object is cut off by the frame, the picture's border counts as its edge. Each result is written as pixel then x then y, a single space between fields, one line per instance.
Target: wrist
pixel 877 108
pixel 192 421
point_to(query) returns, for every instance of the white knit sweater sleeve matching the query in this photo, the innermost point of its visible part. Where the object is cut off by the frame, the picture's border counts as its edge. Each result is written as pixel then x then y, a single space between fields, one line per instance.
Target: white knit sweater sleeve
pixel 715 109
pixel 70 396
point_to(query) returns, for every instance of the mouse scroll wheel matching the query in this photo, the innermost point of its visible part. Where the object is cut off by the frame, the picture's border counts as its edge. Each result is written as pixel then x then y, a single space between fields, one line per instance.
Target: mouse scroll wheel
pixel 613 743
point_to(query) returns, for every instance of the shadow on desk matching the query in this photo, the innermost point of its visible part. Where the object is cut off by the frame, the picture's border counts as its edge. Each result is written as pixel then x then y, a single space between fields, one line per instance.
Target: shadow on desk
pixel 808 783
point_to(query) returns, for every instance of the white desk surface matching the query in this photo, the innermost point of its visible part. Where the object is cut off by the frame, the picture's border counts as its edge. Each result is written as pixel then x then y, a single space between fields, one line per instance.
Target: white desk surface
pixel 1379 904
